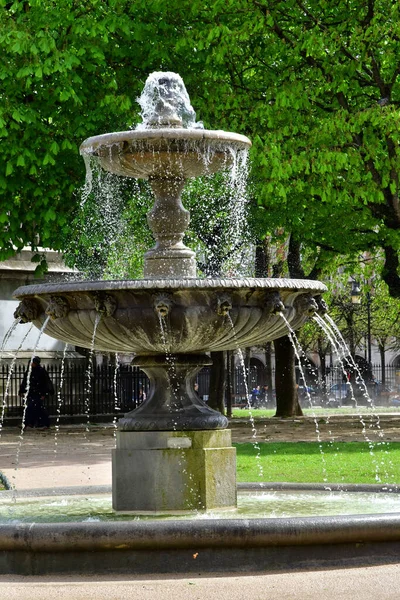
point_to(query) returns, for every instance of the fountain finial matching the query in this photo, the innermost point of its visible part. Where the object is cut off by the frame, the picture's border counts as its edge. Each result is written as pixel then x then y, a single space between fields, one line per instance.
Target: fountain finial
pixel 166 103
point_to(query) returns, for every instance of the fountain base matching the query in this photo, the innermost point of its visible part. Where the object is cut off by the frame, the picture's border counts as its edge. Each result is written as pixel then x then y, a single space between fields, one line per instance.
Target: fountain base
pixel 172 403
pixel 157 472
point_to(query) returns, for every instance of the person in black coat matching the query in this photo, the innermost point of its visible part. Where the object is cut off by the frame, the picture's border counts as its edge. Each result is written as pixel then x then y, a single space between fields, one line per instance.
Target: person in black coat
pixel 40 386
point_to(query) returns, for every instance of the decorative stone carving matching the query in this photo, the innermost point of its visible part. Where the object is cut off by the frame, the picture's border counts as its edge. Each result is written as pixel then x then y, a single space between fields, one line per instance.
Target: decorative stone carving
pixel 224 305
pixel 273 303
pixel 58 307
pixel 28 310
pixel 162 305
pixel 322 305
pixel 306 304
pixel 105 304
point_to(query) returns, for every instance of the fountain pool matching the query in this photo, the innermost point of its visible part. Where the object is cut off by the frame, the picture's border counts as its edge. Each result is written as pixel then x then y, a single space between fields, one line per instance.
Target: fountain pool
pixel 87 506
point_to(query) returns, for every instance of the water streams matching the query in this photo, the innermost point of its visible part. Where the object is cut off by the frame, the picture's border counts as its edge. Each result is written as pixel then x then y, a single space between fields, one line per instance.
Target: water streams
pixel 89 372
pixel 359 380
pixel 340 348
pixel 115 390
pixel 249 407
pixel 59 399
pixel 26 394
pixel 7 388
pixel 7 336
pixel 298 351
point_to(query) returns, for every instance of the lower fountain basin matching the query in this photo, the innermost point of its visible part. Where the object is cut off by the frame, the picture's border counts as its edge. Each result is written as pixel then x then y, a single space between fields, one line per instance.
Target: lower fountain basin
pixel 200 545
pixel 169 315
pixel 269 504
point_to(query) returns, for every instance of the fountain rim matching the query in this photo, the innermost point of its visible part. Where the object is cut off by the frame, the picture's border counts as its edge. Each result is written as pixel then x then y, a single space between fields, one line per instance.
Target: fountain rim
pixel 184 284
pixel 93 143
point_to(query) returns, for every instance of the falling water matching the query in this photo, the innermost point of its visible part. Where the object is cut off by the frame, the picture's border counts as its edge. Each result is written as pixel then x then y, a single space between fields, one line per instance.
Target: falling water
pixel 237 184
pixel 338 344
pixel 116 400
pixel 87 188
pixel 170 360
pixel 59 399
pixel 360 381
pixel 26 394
pixel 8 383
pixel 7 336
pixel 172 376
pixel 88 376
pixel 298 352
pixel 256 445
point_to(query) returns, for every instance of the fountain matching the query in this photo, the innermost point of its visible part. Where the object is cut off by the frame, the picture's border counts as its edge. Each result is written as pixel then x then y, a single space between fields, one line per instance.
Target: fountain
pixel 175 445
pixel 173 453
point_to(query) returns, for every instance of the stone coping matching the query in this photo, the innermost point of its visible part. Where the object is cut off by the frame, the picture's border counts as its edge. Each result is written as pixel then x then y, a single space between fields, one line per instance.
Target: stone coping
pixel 91 144
pixel 199 534
pixel 209 545
pixel 289 285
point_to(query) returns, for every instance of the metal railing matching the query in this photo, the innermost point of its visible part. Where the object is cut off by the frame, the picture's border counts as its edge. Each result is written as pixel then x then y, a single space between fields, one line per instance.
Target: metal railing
pixel 105 390
pixel 78 390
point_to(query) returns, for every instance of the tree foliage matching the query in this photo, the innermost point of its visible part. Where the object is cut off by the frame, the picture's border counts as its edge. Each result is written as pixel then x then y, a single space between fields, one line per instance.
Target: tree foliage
pixel 69 70
pixel 316 86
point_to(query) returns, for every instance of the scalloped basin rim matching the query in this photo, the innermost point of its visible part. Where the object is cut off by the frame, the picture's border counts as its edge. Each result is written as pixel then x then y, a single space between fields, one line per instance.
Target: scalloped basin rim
pixel 300 285
pixel 91 144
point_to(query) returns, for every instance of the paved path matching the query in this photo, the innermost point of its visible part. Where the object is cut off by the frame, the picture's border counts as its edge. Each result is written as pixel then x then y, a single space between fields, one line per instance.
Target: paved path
pixel 43 459
pixel 74 457
pixel 368 583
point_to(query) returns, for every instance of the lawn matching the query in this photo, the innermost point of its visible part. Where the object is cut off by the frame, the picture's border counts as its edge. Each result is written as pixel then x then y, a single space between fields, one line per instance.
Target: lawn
pixel 318 411
pixel 313 462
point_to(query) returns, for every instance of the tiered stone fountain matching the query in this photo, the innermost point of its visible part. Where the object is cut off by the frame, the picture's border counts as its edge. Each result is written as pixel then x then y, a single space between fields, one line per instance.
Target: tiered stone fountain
pixel 173 453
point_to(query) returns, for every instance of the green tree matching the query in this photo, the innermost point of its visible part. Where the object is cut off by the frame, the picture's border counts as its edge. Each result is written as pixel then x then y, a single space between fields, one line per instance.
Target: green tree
pixel 316 86
pixel 69 70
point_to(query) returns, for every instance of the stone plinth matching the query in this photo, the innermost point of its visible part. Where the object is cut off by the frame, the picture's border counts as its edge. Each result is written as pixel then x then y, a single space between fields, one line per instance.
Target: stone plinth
pixel 173 471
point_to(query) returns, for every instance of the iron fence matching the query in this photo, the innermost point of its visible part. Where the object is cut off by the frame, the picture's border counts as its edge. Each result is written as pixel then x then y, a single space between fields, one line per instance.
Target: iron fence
pixel 79 390
pixel 106 390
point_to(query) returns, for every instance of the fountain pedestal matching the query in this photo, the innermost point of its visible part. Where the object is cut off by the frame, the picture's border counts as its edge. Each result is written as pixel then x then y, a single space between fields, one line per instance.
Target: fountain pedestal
pixel 173 471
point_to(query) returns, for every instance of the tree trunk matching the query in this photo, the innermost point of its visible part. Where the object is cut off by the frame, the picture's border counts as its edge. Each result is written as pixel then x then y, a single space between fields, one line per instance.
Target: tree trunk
pixel 217 382
pixel 287 399
pixel 322 358
pixel 382 353
pixel 229 388
pixel 390 271
pixel 268 370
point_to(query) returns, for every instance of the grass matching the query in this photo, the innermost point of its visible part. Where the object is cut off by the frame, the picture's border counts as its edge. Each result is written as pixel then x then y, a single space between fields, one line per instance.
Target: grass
pixel 311 462
pixel 318 411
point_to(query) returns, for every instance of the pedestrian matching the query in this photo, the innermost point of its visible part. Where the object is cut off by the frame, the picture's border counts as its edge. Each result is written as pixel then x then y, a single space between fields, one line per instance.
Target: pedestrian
pixel 263 402
pixel 40 387
pixel 140 396
pixel 255 396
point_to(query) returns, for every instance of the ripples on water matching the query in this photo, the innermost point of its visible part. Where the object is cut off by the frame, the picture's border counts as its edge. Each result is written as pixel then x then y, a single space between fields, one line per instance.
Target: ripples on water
pixel 270 504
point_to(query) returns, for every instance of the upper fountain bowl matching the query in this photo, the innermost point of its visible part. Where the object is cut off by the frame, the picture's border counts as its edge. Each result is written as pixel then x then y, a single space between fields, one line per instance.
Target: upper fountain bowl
pixel 169 143
pixel 165 153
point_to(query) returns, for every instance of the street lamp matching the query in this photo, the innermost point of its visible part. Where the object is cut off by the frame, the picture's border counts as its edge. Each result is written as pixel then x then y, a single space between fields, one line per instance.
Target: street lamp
pixel 355 293
pixel 369 327
pixel 356 299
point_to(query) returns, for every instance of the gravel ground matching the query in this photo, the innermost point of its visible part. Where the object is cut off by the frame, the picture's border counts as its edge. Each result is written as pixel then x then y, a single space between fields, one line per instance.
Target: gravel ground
pixel 75 457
